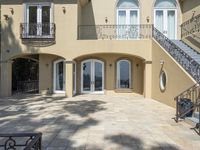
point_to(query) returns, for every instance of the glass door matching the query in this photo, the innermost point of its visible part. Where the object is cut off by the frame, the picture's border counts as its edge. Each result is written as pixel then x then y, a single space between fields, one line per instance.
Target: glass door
pixel 59 77
pixel 165 22
pixel 123 74
pixel 92 76
pixel 134 28
pixel 86 76
pixel 32 20
pixel 38 19
pixel 98 76
pixel 45 20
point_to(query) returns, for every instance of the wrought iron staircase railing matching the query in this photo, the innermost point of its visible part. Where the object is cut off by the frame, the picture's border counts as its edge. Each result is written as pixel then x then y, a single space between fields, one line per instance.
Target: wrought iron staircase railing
pixel 191 26
pixel 191 94
pixel 186 61
pixel 191 66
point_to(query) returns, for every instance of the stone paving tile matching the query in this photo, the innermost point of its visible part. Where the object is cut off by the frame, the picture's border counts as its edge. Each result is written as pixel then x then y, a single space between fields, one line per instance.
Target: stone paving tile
pixel 97 122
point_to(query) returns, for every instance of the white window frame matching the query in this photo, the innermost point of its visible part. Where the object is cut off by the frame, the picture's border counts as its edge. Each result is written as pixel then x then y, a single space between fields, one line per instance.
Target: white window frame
pixel 39 17
pixel 74 78
pixel 92 73
pixel 54 77
pixel 128 12
pixel 165 19
pixel 118 73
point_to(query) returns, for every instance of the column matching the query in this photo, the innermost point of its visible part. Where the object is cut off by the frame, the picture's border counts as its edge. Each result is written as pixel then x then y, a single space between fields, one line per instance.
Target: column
pixel 6 79
pixel 148 79
pixel 69 79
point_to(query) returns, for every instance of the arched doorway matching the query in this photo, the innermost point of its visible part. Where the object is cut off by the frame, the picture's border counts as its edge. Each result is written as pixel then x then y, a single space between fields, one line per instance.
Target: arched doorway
pixel 165 17
pixel 92 76
pixel 128 19
pixel 124 74
pixel 25 74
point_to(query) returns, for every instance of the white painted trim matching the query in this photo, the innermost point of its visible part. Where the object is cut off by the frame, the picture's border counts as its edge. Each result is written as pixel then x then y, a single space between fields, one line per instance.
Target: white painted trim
pixel 92 73
pixel 165 19
pixel 54 76
pixel 118 73
pixel 74 78
pixel 128 12
pixel 39 6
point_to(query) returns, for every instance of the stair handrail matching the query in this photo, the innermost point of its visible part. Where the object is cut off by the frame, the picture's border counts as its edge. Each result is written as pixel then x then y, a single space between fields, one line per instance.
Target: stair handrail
pixel 193 94
pixel 186 61
pixel 187 91
pixel 189 22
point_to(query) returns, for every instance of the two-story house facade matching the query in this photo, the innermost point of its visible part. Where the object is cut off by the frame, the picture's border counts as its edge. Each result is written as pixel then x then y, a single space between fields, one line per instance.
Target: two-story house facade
pixel 92 47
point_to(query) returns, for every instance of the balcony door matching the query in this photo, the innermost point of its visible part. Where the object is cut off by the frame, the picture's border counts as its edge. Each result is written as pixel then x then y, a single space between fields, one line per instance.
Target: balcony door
pixel 38 19
pixel 92 72
pixel 127 19
pixel 165 17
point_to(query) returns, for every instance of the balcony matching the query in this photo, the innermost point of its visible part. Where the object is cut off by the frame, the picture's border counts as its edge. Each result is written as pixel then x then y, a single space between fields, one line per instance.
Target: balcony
pixel 42 33
pixel 115 32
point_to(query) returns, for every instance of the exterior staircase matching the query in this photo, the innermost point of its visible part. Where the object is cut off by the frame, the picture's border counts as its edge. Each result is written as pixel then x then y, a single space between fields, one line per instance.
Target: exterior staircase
pixel 189 59
pixel 187 49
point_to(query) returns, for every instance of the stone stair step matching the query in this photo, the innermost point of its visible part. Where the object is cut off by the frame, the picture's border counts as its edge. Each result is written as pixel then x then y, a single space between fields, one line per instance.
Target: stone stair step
pixel 192 121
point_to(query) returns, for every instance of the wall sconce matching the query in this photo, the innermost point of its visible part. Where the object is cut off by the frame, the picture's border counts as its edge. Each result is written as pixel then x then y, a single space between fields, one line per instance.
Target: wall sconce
pixel 162 62
pixel 148 19
pixel 6 17
pixel 11 11
pixel 64 10
pixel 106 20
pixel 110 65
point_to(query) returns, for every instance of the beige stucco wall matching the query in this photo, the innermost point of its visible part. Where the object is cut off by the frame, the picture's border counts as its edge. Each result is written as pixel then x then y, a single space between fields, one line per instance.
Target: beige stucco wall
pixel 177 79
pixel 46 73
pixel 137 69
pixel 190 7
pixel 66 44
pixel 98 10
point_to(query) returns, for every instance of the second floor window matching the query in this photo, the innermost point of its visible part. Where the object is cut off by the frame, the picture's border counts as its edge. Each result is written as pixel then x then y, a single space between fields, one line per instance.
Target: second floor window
pixel 38 19
pixel 128 19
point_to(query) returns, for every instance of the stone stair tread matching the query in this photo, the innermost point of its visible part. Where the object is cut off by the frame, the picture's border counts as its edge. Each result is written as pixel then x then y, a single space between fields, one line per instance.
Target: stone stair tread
pixel 193 119
pixel 191 52
pixel 196 115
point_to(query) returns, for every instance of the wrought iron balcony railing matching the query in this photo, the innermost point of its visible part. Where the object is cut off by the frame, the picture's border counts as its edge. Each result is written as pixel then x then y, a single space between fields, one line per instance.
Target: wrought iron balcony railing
pixel 25 141
pixel 120 32
pixel 187 62
pixel 191 26
pixel 37 30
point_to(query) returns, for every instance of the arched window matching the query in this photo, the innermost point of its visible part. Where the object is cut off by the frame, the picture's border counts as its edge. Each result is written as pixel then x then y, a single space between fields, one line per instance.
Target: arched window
pixel 165 4
pixel 165 17
pixel 123 74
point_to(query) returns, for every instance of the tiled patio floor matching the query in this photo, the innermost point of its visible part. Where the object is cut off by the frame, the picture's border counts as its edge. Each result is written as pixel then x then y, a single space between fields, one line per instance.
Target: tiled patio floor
pixel 98 122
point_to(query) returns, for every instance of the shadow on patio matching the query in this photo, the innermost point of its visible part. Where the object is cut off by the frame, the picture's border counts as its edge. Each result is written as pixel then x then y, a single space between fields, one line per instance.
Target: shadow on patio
pixel 129 142
pixel 58 118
